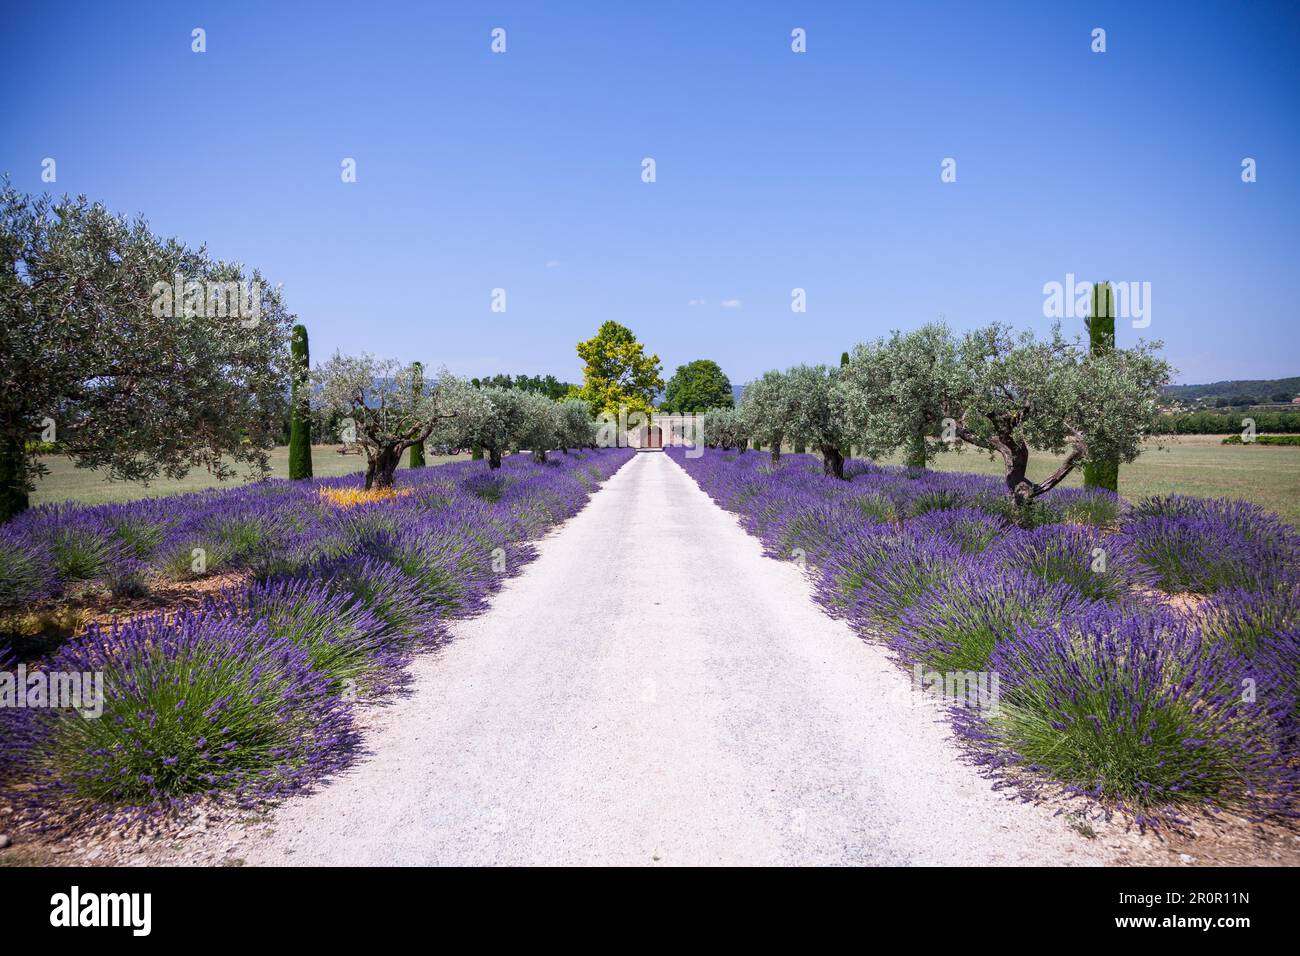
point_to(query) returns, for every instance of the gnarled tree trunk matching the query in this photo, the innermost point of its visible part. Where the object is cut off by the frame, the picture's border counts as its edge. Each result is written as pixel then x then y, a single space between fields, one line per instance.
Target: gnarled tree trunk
pixel 832 461
pixel 382 466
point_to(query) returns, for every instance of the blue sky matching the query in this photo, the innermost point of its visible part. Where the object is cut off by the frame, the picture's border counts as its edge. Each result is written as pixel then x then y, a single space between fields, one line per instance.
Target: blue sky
pixel 775 170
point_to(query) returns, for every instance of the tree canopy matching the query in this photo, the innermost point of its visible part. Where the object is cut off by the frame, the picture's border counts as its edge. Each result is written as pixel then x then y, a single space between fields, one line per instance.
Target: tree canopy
pixel 894 398
pixel 147 356
pixel 547 385
pixel 724 428
pixel 697 387
pixel 1006 393
pixel 818 414
pixel 617 372
pixel 389 403
pixel 497 419
pixel 765 409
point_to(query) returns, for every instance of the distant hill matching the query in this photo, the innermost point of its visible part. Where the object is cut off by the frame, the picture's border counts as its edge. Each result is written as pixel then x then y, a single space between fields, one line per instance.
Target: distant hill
pixel 1235 392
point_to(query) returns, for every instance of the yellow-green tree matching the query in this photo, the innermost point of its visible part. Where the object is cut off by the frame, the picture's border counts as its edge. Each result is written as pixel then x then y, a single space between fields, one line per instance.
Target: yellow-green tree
pixel 617 372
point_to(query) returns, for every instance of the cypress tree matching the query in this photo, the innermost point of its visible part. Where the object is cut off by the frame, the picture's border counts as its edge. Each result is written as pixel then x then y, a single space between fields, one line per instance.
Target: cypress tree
pixel 299 417
pixel 417 386
pixel 1101 339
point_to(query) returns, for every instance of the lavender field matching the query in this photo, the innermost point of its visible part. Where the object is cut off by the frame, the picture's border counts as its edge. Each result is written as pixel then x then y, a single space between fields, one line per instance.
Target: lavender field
pixel 318 594
pixel 1146 654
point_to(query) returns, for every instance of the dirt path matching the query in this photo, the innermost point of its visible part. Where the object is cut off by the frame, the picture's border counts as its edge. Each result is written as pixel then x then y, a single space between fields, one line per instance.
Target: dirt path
pixel 653 690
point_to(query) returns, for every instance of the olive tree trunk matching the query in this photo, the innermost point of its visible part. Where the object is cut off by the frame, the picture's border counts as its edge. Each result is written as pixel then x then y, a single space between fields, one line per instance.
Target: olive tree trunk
pixel 382 466
pixel 832 461
pixel 13 476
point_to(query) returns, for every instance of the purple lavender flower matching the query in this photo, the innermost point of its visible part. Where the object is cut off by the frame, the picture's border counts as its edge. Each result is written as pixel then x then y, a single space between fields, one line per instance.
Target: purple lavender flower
pixel 27 574
pixel 1133 708
pixel 279 724
pixel 957 625
pixel 972 530
pixel 1097 565
pixel 1212 548
pixel 1244 618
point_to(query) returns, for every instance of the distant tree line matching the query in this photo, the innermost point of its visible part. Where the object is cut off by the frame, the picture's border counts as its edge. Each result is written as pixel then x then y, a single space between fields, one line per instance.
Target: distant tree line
pixel 547 385
pixel 1227 423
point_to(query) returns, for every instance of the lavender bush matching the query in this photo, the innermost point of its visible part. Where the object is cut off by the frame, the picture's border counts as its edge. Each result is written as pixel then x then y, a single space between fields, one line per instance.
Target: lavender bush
pixel 1277 663
pixel 1095 506
pixel 195 704
pixel 1135 709
pixel 1103 689
pixel 1096 565
pixel 26 573
pixel 958 625
pixel 877 573
pixel 343 640
pixel 408 618
pixel 1244 619
pixel 248 695
pixel 81 545
pixel 1207 553
pixel 972 530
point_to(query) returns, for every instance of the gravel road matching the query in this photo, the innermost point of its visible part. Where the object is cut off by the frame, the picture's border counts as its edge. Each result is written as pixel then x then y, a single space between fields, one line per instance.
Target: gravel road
pixel 652 690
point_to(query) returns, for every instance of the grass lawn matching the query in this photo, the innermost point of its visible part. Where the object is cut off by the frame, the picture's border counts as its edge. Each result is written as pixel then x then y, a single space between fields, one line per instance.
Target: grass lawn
pixel 66 482
pixel 1187 464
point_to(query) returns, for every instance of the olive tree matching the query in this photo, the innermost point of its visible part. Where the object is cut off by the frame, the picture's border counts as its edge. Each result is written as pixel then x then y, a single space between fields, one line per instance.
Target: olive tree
pixel 386 405
pixel 538 426
pixel 139 356
pixel 576 427
pixel 497 419
pixel 1011 394
pixel 817 413
pixel 893 395
pixel 724 428
pixel 765 408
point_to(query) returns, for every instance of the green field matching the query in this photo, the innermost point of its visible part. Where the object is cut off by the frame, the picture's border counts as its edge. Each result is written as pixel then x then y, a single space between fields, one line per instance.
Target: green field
pixel 67 482
pixel 1186 464
pixel 1189 464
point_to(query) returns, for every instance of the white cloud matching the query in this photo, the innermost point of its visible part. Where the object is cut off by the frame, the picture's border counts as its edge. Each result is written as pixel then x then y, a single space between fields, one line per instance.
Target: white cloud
pixel 695 302
pixel 552 263
pixel 731 304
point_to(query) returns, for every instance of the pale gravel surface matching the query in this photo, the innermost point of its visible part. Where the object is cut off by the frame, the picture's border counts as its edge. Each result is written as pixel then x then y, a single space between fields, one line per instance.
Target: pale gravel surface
pixel 652 690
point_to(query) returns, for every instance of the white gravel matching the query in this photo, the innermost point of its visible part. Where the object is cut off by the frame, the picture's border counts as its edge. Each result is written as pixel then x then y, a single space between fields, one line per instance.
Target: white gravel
pixel 652 690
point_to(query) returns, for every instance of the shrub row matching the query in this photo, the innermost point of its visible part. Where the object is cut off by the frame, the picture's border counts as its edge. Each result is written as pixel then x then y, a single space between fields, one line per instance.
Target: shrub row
pixel 1227 423
pixel 1263 440
pixel 1146 654
pixel 248 696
